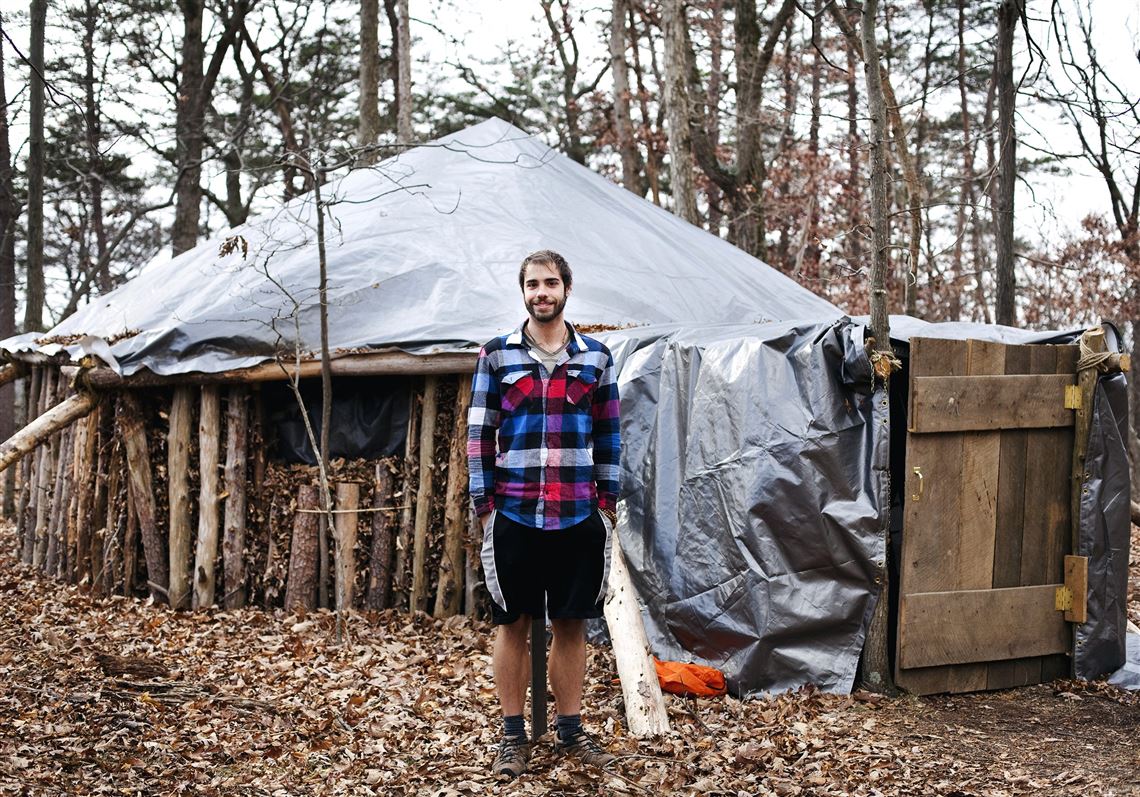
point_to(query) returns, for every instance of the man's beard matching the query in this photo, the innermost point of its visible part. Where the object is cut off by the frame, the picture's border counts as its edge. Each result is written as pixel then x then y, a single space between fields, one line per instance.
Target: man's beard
pixel 546 315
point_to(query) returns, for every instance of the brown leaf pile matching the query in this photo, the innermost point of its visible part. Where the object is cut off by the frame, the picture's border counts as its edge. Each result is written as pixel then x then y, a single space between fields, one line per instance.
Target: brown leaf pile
pixel 117 696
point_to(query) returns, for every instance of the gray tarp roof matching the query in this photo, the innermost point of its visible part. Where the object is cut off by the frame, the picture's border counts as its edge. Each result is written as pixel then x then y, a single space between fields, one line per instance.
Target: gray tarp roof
pixel 423 254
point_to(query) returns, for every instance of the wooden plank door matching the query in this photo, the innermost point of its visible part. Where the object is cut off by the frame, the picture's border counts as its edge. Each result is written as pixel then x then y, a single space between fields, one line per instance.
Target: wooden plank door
pixel 987 518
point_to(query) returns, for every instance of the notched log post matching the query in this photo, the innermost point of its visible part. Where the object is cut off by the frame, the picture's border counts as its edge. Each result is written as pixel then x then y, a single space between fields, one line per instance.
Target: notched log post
pixel 383 529
pixel 451 570
pixel 344 537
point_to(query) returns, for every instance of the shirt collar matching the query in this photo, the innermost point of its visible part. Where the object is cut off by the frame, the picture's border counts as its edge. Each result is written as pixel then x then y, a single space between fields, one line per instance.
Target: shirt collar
pixel 575 344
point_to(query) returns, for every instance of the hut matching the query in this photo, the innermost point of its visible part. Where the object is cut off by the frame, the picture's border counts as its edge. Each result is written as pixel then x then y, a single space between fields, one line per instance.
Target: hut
pixel 757 469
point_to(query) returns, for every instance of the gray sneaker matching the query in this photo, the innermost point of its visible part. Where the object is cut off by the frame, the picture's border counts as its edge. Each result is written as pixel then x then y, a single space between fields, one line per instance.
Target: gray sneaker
pixel 583 747
pixel 511 756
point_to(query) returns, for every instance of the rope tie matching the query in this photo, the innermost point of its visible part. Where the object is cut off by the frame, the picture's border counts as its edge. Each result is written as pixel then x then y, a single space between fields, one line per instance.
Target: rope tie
pixel 1093 359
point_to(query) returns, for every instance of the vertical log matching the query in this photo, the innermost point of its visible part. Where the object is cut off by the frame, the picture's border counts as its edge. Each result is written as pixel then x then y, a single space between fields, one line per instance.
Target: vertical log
pixel 408 501
pixel 88 478
pixel 45 467
pixel 344 531
pixel 178 489
pixel 130 542
pixel 383 528
pixel 450 588
pixel 233 542
pixel 209 448
pixel 424 495
pixel 138 468
pixel 301 588
pixel 102 582
pixel 106 444
pixel 471 576
pixel 114 542
pixel 26 508
pixel 61 499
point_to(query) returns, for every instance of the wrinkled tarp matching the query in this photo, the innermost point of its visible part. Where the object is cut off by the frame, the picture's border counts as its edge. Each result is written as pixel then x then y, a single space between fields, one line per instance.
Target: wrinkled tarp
pixel 754 489
pixel 1128 676
pixel 423 256
pixel 1105 527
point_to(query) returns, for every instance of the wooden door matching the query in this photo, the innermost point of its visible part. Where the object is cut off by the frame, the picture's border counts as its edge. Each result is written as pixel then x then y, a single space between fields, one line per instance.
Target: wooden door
pixel 987 519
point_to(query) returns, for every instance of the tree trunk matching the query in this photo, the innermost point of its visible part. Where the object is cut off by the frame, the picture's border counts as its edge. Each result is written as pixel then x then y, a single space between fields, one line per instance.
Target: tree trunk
pixel 623 124
pixel 188 128
pixel 368 130
pixel 424 496
pixel 233 540
pixel 133 431
pixel 301 587
pixel 682 184
pixel 1009 12
pixel 404 131
pixel 383 529
pixel 9 213
pixel 209 454
pixel 34 275
pixel 178 490
pixel 347 504
pixel 450 589
pixel 876 664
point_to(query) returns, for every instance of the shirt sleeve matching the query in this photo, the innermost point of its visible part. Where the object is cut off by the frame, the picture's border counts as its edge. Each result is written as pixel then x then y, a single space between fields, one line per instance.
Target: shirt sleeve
pixel 482 431
pixel 607 437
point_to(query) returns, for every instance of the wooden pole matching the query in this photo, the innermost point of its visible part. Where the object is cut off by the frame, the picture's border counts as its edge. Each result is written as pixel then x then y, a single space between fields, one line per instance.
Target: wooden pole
pixel 344 530
pixel 106 445
pixel 11 372
pixel 471 563
pixel 28 500
pixel 409 481
pixel 424 495
pixel 47 464
pixel 178 490
pixel 114 542
pixel 450 589
pixel 233 541
pixel 383 528
pixel 301 587
pixel 644 704
pixel 61 496
pixel 209 453
pixel 133 430
pixel 100 581
pixel 42 428
pixel 130 543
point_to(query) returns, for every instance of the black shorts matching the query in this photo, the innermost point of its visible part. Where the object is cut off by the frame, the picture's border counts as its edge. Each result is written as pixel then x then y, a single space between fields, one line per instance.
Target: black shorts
pixel 568 568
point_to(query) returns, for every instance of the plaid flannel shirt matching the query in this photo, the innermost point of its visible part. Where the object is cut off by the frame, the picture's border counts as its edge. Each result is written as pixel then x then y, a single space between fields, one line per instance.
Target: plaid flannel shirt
pixel 543 448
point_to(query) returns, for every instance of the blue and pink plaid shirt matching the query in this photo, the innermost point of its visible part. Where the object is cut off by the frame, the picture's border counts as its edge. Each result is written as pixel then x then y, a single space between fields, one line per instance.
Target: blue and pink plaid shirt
pixel 543 448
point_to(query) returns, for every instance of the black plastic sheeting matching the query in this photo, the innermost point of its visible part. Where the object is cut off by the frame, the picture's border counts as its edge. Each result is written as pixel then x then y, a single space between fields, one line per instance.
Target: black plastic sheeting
pixel 1105 527
pixel 755 496
pixel 369 418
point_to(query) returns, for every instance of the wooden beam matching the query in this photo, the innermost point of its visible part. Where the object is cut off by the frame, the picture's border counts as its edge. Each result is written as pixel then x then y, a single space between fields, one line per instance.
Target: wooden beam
pixel 645 712
pixel 42 428
pixel 11 372
pixel 980 625
pixel 178 492
pixel 370 364
pixel 980 403
pixel 209 455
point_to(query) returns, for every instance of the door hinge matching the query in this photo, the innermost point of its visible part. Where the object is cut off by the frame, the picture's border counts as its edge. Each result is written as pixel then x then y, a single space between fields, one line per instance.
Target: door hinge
pixel 1072 397
pixel 1063 599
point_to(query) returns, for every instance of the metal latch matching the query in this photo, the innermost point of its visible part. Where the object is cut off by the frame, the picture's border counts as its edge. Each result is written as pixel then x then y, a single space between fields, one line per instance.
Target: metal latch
pixel 1063 599
pixel 1072 397
pixel 918 495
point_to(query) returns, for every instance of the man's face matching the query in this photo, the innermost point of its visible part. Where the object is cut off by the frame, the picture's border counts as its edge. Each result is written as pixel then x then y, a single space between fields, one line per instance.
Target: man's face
pixel 544 293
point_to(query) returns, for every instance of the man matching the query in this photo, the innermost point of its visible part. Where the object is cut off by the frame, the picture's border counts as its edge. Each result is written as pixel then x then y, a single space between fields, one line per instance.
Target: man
pixel 542 447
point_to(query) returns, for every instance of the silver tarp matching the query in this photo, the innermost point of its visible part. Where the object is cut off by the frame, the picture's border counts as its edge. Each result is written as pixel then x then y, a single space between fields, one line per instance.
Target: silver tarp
pixel 423 254
pixel 754 491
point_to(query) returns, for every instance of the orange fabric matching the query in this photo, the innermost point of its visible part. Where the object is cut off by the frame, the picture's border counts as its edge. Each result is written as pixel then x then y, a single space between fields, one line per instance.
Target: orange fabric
pixel 690 679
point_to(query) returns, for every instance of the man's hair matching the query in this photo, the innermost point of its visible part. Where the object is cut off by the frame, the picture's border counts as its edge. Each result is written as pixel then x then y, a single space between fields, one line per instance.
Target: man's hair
pixel 550 258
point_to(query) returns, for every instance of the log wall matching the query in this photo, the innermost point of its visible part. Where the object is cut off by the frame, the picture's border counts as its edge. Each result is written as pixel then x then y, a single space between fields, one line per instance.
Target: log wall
pixel 172 493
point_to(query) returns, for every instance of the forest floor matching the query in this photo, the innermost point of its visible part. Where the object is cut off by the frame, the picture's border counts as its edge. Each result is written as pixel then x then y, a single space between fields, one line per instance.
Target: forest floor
pixel 117 696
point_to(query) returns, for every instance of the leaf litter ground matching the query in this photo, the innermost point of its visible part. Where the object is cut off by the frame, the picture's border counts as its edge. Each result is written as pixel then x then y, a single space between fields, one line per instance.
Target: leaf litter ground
pixel 117 696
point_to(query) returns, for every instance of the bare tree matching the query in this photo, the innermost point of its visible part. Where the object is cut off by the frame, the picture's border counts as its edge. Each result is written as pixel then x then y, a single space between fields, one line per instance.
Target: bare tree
pixel 9 213
pixel 1009 12
pixel 631 163
pixel 679 105
pixel 34 292
pixel 368 129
